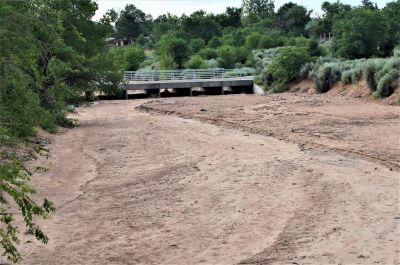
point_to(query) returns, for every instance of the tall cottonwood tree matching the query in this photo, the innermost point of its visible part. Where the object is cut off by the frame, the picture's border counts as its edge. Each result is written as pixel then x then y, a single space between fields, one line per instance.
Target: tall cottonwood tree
pixel 258 9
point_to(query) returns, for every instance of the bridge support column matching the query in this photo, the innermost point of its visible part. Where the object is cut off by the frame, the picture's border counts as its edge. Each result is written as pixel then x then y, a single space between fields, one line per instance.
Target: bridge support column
pixel 125 94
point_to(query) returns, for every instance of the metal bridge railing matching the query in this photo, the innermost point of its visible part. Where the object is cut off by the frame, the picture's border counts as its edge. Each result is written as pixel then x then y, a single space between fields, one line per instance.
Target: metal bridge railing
pixel 186 74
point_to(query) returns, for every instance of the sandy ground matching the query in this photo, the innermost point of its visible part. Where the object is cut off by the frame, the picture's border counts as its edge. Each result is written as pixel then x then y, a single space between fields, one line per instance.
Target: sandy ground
pixel 277 179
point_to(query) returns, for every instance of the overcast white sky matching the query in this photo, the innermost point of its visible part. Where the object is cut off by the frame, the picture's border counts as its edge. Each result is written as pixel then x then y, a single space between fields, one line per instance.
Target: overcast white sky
pixel 179 7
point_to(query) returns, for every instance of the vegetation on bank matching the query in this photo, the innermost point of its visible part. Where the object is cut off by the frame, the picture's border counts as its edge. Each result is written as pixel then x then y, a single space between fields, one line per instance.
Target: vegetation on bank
pixel 283 45
pixel 54 56
pixel 51 55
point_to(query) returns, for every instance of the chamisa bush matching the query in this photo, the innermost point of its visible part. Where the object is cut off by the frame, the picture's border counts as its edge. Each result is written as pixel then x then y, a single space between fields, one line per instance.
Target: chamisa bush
pixel 387 83
pixel 305 70
pixel 387 77
pixel 369 71
pixel 327 76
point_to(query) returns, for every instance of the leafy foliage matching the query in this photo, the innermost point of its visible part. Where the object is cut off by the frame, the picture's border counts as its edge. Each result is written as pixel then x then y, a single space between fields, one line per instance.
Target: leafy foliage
pixel 258 9
pixel 292 18
pixel 133 57
pixel 171 46
pixel 14 185
pixel 195 62
pixel 285 67
pixel 131 22
pixel 51 53
pixel 351 39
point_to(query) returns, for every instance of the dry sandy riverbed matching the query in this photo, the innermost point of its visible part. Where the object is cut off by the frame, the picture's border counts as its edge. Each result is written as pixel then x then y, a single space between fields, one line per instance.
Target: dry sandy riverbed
pixel 277 179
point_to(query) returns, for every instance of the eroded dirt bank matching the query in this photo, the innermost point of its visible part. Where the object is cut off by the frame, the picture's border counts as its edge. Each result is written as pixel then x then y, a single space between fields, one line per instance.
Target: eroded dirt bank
pixel 343 124
pixel 140 188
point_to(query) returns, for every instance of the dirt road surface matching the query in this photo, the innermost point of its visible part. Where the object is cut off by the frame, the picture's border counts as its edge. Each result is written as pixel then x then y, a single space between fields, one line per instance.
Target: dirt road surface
pixel 277 179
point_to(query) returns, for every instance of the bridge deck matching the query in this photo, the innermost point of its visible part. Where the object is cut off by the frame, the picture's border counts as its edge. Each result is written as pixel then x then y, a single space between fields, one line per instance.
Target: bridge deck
pixel 189 83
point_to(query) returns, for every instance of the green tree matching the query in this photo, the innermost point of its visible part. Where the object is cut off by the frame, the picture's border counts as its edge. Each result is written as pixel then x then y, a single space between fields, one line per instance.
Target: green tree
pixel 253 41
pixel 164 24
pixel 20 113
pixel 286 66
pixel 200 25
pixel 351 40
pixel 292 18
pixel 208 53
pixel 50 52
pixel 231 18
pixel 111 16
pixel 195 62
pixel 369 4
pixel 391 13
pixel 332 12
pixel 133 57
pixel 131 22
pixel 229 56
pixel 258 9
pixel 196 45
pixel 215 42
pixel 174 47
pixel 226 56
pixel 167 62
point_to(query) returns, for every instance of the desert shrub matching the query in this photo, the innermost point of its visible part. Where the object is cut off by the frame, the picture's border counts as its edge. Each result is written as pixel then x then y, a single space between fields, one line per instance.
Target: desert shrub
pixel 356 75
pixel 321 62
pixel 369 71
pixel 208 53
pixel 347 76
pixel 305 70
pixel 389 65
pixel 327 76
pixel 386 74
pixel 351 70
pixel 262 58
pixel 315 49
pixel 212 63
pixel 396 51
pixel 195 62
pixel 386 83
pixel 267 77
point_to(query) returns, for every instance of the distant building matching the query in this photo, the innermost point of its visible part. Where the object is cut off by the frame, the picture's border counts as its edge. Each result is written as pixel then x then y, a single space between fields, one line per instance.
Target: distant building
pixel 111 42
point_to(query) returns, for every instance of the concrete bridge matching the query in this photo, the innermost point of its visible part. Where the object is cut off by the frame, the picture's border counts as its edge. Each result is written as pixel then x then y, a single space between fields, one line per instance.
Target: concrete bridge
pixel 182 82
